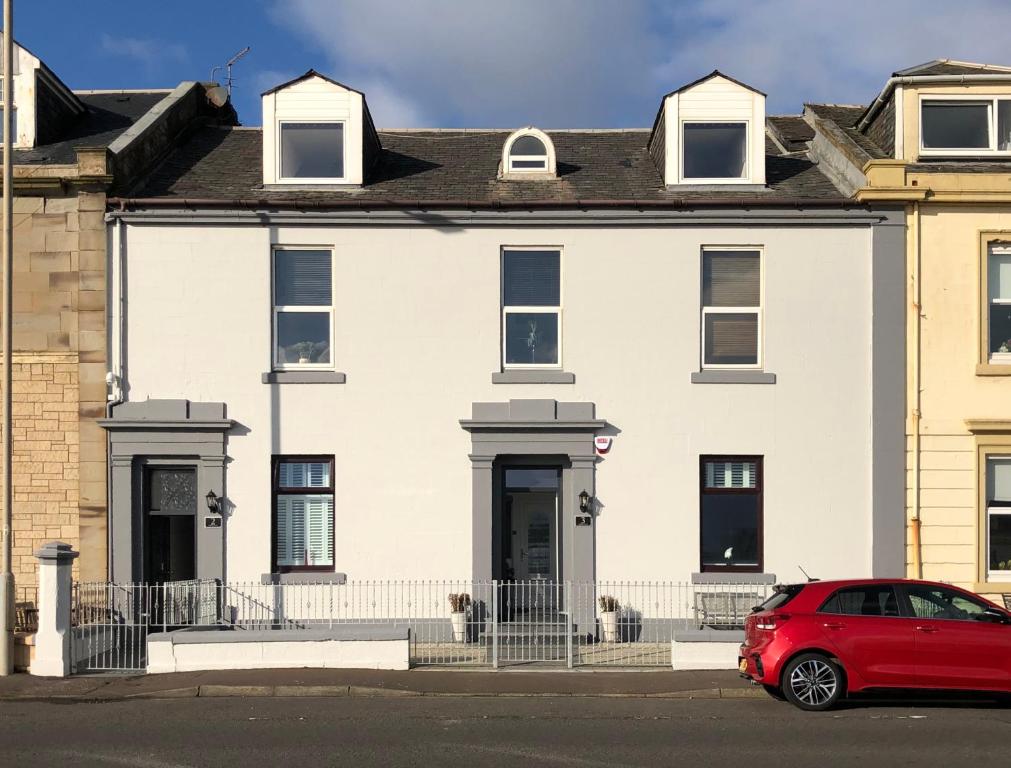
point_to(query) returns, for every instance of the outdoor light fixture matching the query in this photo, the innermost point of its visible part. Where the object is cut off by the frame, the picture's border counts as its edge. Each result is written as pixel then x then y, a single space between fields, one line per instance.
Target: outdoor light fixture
pixel 213 502
pixel 584 502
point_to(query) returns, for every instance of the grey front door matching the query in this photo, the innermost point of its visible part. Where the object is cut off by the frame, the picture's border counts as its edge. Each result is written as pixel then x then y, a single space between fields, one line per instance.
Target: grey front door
pixel 170 507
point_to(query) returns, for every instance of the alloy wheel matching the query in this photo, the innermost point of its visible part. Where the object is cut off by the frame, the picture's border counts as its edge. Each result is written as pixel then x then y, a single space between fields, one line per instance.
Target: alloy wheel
pixel 814 682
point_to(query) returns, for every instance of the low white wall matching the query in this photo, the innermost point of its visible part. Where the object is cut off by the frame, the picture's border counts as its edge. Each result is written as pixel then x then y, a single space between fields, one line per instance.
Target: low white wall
pixel 215 650
pixel 704 655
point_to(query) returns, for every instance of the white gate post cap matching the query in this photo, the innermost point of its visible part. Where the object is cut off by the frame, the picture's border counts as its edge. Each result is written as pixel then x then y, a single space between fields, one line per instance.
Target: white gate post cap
pixel 59 551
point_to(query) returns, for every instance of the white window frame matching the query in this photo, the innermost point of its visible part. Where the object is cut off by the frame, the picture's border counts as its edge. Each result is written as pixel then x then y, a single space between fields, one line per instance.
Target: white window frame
pixel 527 158
pixel 281 122
pixel 540 310
pixel 998 358
pixel 744 178
pixel 994 576
pixel 990 101
pixel 277 309
pixel 759 310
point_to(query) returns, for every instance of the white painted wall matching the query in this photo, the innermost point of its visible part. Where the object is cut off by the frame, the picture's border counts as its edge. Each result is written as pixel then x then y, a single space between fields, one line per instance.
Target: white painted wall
pixel 716 100
pixel 417 332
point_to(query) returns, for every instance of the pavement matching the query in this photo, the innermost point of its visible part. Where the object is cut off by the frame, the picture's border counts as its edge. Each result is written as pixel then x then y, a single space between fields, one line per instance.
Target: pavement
pixel 375 683
pixel 506 732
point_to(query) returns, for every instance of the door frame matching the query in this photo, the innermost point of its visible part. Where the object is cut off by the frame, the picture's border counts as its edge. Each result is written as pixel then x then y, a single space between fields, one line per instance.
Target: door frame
pixel 145 513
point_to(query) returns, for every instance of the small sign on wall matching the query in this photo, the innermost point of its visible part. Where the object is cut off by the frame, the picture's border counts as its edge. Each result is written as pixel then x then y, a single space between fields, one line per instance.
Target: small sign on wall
pixel 212 522
pixel 603 444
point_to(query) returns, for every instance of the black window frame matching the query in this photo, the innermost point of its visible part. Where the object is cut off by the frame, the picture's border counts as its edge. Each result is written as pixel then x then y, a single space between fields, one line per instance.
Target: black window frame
pixel 275 490
pixel 758 490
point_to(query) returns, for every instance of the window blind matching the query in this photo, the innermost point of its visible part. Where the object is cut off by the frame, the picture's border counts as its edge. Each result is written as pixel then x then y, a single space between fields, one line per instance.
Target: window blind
pixel 998 479
pixel 731 339
pixel 999 273
pixel 304 530
pixel 302 278
pixel 531 278
pixel 312 474
pixel 731 474
pixel 731 279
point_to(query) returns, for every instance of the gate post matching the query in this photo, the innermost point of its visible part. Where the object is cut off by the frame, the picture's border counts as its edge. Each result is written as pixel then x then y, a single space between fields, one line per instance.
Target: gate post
pixel 494 623
pixel 52 641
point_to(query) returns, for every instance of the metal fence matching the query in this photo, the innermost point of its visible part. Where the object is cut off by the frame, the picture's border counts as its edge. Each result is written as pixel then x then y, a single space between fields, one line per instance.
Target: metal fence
pixel 451 622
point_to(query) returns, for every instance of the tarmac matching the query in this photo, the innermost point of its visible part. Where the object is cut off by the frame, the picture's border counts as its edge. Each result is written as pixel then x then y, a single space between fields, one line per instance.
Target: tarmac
pixel 381 683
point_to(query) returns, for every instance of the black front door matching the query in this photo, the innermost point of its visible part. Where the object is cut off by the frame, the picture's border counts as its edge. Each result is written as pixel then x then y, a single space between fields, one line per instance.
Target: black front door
pixel 170 510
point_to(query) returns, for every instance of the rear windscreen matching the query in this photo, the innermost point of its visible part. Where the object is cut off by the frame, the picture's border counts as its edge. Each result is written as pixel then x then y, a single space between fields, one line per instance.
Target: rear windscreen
pixel 782 595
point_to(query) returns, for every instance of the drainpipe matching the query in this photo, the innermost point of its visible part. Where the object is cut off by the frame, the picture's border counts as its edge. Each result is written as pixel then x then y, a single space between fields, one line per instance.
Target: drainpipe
pixel 915 414
pixel 114 375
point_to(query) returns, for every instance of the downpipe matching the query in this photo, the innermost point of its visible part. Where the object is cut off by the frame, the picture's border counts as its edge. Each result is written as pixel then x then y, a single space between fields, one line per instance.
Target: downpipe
pixel 915 415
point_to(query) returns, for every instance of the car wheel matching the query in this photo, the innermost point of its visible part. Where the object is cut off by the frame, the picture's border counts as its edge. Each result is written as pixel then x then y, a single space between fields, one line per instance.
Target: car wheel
pixel 774 691
pixel 813 682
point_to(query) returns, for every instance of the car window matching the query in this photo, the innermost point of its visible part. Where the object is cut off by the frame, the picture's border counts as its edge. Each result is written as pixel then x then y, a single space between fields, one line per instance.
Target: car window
pixel 867 600
pixel 782 594
pixel 930 602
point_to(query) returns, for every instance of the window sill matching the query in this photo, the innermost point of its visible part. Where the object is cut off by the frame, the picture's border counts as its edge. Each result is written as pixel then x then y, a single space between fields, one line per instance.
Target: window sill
pixel 733 377
pixel 992 587
pixel 304 377
pixel 304 577
pixel 532 377
pixel 993 369
pixel 727 577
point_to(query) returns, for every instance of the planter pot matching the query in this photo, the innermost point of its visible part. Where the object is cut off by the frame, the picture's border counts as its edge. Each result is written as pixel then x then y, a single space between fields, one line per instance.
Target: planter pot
pixel 609 626
pixel 303 360
pixel 459 622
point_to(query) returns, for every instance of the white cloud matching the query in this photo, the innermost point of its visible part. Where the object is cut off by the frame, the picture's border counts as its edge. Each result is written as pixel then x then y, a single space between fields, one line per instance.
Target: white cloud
pixel 150 53
pixel 581 63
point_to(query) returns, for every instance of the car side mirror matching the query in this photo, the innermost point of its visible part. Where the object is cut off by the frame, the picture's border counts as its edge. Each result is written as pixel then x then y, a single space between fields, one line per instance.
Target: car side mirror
pixel 994 616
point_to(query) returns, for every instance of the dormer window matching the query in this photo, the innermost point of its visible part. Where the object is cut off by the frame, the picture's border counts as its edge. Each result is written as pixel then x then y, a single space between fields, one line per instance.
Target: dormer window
pixel 317 132
pixel 528 153
pixel 714 151
pixel 963 126
pixel 711 132
pixel 312 151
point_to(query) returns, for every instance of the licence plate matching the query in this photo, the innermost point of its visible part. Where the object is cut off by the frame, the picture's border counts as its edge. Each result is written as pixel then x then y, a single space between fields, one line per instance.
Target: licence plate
pixel 743 666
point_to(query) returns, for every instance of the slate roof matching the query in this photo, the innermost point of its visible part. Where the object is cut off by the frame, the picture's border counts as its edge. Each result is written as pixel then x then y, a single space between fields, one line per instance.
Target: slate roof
pixel 461 167
pixel 792 131
pixel 846 116
pixel 108 115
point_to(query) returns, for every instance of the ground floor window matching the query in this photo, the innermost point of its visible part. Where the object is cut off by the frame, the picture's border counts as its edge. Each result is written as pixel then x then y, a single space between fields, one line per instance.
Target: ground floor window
pixel 731 509
pixel 998 517
pixel 303 536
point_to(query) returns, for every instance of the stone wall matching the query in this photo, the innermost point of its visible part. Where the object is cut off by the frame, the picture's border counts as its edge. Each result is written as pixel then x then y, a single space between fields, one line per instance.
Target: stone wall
pixel 59 287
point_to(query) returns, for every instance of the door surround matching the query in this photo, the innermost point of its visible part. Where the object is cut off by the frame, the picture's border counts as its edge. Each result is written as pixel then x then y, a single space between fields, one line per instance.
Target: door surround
pixel 501 432
pixel 152 432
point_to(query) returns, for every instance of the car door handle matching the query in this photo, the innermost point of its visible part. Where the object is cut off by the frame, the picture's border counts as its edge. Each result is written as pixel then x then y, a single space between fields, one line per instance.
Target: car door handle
pixel 926 629
pixel 834 625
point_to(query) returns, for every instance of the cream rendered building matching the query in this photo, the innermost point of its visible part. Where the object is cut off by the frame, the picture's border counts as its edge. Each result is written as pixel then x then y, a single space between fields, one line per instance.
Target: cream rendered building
pixel 938 138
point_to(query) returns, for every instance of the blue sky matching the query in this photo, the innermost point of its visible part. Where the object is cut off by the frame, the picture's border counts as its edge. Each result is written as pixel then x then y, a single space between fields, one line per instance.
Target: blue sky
pixel 490 63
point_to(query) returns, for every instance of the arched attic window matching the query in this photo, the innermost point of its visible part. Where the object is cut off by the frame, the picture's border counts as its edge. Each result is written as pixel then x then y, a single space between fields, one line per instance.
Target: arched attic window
pixel 528 153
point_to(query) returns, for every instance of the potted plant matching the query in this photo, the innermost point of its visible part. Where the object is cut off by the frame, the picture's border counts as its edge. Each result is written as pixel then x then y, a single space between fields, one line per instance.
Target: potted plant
pixel 609 609
pixel 459 604
pixel 304 351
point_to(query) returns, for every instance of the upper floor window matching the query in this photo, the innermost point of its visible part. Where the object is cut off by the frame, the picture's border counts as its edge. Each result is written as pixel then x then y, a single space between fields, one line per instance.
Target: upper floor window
pixel 731 308
pixel 528 153
pixel 714 151
pixel 998 284
pixel 312 151
pixel 303 308
pixel 531 308
pixel 965 126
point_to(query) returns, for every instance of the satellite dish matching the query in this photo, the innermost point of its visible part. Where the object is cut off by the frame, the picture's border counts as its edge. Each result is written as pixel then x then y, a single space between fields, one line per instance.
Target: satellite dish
pixel 217 95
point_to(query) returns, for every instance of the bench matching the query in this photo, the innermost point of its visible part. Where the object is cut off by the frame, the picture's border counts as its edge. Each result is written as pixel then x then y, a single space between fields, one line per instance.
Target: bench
pixel 724 609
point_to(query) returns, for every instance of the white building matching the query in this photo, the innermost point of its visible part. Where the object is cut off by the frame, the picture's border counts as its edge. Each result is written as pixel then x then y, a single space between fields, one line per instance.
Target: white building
pixel 388 354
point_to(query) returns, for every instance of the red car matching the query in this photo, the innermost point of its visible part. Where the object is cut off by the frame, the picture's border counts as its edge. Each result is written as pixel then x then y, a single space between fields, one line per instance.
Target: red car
pixel 814 643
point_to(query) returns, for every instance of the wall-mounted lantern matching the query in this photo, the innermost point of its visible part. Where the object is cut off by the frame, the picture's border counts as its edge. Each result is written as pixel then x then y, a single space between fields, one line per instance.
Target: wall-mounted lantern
pixel 213 502
pixel 585 499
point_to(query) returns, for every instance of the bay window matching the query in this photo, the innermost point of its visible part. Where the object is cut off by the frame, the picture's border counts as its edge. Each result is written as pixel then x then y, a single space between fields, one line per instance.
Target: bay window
pixel 303 308
pixel 731 308
pixel 998 518
pixel 731 513
pixel 303 513
pixel 531 308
